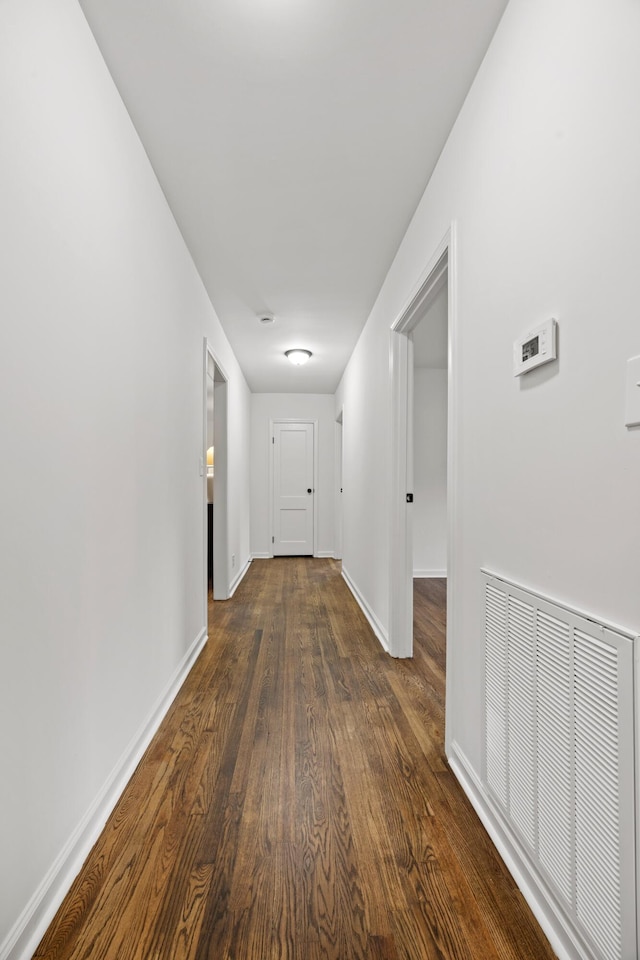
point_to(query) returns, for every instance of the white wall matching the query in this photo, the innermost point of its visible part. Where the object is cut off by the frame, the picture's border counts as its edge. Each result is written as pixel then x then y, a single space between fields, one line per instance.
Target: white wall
pixel 430 473
pixel 101 419
pixel 541 176
pixel 291 406
pixel 363 397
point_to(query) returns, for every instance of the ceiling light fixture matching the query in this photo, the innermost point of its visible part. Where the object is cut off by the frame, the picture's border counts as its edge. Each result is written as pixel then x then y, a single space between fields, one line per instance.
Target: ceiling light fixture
pixel 266 319
pixel 298 356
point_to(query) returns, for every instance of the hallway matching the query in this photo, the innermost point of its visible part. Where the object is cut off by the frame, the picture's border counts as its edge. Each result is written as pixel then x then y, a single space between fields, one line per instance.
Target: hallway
pixel 296 802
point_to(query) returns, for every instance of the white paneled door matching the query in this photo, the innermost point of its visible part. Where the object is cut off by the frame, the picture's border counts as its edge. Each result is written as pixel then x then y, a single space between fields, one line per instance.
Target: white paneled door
pixel 293 493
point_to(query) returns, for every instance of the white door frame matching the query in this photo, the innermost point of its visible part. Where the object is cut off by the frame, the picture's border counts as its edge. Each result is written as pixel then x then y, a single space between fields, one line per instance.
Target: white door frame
pixel 401 381
pixel 338 481
pixel 272 423
pixel 221 586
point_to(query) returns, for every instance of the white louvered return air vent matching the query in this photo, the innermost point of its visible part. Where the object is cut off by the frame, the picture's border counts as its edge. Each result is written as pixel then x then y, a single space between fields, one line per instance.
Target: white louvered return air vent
pixel 559 760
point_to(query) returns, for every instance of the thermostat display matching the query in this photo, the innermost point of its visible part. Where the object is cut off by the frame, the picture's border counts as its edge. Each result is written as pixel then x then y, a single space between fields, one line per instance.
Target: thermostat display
pixel 530 349
pixel 538 347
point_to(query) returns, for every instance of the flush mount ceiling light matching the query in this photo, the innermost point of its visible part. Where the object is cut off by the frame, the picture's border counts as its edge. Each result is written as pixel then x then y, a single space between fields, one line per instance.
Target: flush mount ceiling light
pixel 297 356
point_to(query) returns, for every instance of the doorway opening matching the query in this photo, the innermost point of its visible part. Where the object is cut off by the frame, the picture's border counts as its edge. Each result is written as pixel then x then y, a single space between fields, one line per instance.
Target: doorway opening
pixel 426 328
pixel 429 436
pixel 215 486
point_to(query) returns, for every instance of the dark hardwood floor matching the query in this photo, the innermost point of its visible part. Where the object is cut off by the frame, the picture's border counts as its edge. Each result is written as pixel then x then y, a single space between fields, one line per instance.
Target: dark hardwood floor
pixel 296 803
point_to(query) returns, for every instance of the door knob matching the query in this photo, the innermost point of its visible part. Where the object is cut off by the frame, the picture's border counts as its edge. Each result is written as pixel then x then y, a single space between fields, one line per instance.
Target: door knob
pixel 308 489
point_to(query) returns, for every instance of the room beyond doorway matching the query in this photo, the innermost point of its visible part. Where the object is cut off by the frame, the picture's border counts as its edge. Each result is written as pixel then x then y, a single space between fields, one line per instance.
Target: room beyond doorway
pixel 430 389
pixel 214 470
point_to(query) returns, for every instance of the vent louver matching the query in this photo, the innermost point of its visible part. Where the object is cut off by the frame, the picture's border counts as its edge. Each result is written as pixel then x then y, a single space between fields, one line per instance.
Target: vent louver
pixel 559 758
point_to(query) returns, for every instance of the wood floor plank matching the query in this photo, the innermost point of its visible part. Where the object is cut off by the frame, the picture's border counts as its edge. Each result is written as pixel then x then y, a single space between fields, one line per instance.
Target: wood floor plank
pixel 512 926
pixel 182 938
pixel 296 803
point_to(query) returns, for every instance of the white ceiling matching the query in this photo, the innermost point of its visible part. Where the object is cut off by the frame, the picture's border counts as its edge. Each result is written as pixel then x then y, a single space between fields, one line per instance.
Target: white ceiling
pixel 293 140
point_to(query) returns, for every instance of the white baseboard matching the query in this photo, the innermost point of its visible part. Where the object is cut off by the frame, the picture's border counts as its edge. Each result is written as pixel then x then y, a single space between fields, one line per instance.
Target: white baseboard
pixel 31 925
pixel 237 580
pixel 429 574
pixel 564 941
pixel 324 555
pixel 261 556
pixel 374 623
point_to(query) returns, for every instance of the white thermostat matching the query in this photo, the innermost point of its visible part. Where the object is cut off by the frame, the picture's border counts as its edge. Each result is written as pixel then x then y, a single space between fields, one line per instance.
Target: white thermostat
pixel 538 347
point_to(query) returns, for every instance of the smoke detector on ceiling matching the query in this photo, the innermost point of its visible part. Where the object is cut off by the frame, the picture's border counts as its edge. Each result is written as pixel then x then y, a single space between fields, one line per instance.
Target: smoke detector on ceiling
pixel 266 319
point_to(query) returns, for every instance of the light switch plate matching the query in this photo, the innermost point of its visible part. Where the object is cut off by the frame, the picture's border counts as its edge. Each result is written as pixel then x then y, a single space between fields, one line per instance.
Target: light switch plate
pixel 632 415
